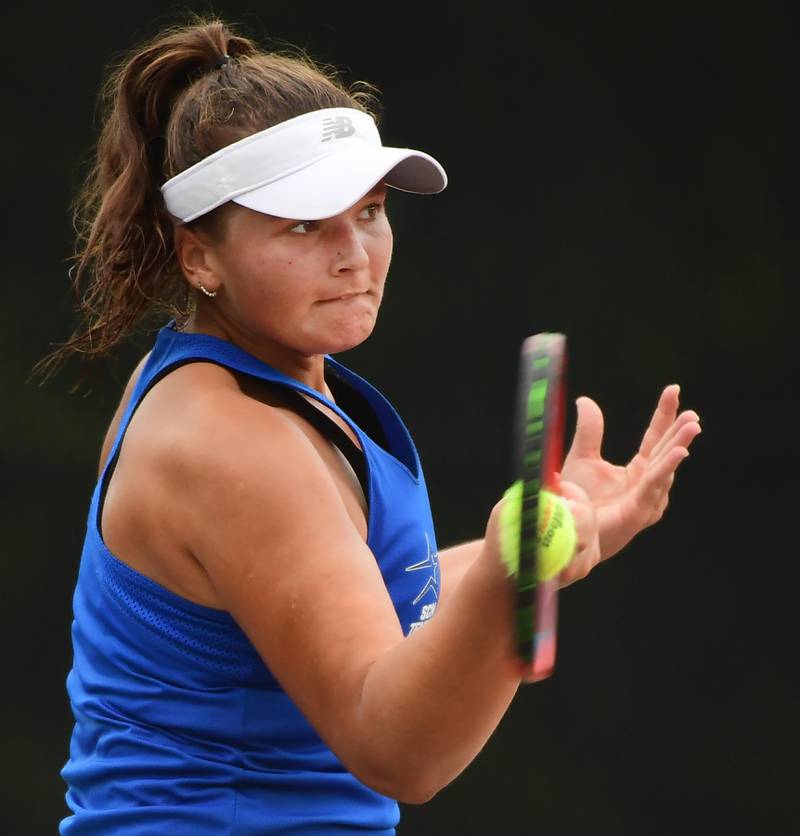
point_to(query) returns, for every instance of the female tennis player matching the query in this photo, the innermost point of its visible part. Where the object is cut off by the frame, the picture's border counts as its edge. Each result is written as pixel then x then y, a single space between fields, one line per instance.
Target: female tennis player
pixel 255 645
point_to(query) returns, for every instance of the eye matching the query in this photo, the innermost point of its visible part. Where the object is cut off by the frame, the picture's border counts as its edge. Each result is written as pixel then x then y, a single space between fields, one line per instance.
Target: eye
pixel 303 227
pixel 370 212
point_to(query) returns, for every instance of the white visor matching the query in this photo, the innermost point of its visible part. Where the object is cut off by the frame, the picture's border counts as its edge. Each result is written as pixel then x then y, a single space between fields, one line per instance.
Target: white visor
pixel 307 168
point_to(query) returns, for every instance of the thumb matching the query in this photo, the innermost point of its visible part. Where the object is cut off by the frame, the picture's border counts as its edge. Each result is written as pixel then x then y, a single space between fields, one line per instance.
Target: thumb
pixel 588 437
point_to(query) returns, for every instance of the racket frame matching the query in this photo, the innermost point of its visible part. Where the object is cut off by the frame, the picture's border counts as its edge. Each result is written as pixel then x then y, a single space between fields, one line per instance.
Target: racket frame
pixel 537 460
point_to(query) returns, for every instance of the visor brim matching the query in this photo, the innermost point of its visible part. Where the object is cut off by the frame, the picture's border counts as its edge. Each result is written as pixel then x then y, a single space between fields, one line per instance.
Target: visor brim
pixel 336 182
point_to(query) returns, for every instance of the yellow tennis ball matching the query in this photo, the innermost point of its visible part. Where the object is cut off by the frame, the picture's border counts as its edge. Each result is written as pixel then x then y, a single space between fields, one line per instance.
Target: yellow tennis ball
pixel 509 527
pixel 557 535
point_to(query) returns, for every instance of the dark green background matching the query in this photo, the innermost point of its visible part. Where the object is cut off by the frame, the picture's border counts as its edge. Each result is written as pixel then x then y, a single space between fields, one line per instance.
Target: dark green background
pixel 618 172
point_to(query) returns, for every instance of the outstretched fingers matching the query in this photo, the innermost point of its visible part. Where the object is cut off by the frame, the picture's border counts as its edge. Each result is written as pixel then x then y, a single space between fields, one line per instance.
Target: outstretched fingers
pixel 683 431
pixel 663 418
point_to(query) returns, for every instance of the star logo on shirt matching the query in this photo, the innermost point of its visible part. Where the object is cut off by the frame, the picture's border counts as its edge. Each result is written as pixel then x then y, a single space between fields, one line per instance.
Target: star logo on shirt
pixel 431 562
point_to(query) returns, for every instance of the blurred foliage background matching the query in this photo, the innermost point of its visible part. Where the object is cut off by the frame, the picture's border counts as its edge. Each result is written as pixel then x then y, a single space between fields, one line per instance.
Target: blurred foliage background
pixel 618 172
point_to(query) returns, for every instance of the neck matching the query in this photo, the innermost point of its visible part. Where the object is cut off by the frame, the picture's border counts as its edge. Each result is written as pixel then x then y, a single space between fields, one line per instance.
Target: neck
pixel 308 369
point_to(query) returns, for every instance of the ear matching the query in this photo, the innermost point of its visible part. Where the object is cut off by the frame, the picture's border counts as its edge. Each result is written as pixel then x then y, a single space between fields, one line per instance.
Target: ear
pixel 195 255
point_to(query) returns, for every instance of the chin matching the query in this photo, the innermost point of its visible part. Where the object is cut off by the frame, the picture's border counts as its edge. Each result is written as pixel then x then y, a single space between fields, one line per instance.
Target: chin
pixel 346 338
pixel 339 346
pixel 350 332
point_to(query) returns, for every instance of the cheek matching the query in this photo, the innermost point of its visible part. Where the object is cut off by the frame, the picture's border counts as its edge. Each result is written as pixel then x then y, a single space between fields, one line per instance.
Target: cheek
pixel 381 252
pixel 263 279
pixel 387 254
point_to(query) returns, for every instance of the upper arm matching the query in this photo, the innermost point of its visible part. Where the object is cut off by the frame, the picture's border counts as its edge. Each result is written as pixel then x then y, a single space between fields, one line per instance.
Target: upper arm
pixel 265 519
pixel 454 563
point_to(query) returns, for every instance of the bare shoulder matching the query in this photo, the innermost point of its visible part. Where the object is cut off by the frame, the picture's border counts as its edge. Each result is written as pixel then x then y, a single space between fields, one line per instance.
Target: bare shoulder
pixel 246 487
pixel 228 452
pixel 173 445
pixel 203 424
pixel 205 374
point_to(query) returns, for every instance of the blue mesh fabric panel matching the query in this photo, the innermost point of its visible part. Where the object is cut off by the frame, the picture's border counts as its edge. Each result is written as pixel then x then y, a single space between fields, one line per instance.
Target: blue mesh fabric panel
pixel 208 637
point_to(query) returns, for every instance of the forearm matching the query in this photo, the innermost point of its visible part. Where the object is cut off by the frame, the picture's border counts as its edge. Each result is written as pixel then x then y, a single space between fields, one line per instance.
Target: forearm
pixel 430 703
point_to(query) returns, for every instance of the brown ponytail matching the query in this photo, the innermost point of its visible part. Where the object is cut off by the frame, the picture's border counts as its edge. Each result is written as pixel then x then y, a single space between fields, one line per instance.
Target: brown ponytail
pixel 167 105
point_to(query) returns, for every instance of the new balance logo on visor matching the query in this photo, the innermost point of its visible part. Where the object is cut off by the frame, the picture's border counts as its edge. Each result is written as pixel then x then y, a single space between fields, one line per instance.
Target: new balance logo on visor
pixel 337 128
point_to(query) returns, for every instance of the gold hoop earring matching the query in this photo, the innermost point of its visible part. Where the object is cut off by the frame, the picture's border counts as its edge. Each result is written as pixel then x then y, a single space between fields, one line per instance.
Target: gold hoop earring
pixel 210 293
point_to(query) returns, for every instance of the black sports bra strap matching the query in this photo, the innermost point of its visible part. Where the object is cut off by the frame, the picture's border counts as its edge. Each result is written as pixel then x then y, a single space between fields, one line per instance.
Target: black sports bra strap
pixel 334 433
pixel 357 407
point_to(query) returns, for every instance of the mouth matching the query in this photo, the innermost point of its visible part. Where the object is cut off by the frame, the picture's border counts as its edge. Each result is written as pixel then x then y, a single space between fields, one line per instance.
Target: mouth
pixel 345 296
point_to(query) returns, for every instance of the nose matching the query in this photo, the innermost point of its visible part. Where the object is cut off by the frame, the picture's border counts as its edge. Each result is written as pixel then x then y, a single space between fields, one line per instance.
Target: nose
pixel 349 253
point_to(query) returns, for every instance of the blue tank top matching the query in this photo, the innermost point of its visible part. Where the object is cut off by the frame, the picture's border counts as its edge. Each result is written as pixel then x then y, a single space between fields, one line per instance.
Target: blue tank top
pixel 180 728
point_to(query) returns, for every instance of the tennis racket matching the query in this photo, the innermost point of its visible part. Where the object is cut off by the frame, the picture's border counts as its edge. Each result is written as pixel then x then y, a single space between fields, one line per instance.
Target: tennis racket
pixel 537 459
